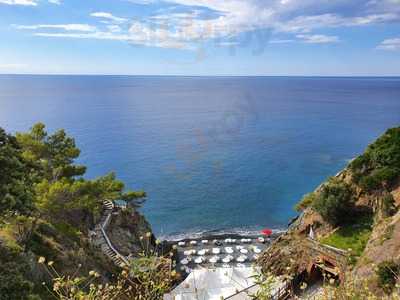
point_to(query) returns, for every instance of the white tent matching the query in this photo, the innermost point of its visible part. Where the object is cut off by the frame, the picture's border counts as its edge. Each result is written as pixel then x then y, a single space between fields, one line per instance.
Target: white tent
pixel 214 284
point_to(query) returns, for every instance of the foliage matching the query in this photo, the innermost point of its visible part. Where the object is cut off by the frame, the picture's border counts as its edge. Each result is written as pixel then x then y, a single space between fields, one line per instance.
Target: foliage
pixel 380 163
pixel 13 282
pixel 352 236
pixel 59 186
pixel 388 205
pixel 45 203
pixel 388 273
pixel 15 187
pixel 265 284
pixel 54 154
pixel 305 202
pixel 149 277
pixel 352 289
pixel 335 201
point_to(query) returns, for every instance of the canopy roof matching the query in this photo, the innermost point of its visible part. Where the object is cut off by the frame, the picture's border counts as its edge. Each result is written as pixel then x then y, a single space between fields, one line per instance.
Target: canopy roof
pixel 212 284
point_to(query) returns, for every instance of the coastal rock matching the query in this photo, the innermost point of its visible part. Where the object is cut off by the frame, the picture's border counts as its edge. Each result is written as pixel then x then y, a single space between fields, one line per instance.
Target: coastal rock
pixel 130 232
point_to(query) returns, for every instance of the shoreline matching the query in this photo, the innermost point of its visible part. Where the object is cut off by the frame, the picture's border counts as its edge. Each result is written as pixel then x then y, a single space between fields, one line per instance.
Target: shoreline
pixel 218 234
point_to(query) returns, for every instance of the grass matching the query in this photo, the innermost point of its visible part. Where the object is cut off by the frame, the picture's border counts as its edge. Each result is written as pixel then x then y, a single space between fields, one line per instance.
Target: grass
pixel 352 236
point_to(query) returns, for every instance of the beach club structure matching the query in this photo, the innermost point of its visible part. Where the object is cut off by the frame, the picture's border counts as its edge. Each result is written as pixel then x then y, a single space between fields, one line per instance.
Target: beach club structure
pixel 219 268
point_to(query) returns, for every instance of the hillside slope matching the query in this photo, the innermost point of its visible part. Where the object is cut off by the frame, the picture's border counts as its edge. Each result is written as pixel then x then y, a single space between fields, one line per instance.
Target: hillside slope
pixel 356 211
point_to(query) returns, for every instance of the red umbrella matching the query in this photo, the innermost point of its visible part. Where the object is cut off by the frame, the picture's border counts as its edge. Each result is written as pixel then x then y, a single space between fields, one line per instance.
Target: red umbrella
pixel 266 232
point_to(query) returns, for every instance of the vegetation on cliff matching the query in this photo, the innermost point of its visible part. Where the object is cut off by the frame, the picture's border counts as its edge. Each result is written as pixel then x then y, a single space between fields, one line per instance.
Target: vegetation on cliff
pixel 47 208
pixel 357 211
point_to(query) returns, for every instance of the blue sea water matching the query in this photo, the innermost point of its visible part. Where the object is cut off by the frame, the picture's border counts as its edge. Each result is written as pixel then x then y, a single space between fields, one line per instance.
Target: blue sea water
pixel 213 153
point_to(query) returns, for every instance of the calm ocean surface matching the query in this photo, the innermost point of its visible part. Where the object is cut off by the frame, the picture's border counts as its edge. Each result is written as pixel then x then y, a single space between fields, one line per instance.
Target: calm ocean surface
pixel 212 153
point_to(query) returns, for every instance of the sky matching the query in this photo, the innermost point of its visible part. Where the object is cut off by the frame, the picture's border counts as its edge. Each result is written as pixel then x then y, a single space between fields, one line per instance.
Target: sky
pixel 201 37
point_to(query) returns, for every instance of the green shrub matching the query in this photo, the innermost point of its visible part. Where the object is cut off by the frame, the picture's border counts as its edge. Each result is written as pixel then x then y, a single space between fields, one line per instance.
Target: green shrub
pixel 377 178
pixel 353 235
pixel 380 164
pixel 305 202
pixel 388 205
pixel 388 272
pixel 335 201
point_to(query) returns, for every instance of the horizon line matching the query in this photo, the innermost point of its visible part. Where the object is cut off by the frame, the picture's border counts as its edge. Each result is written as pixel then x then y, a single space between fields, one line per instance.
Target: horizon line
pixel 181 75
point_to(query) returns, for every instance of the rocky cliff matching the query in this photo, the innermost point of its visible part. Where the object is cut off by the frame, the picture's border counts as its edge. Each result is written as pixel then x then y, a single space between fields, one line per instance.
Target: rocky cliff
pixel 367 228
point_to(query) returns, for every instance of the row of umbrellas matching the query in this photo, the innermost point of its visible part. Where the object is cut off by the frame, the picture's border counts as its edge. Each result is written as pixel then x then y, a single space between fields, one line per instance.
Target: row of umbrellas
pixel 228 250
pixel 215 259
pixel 265 232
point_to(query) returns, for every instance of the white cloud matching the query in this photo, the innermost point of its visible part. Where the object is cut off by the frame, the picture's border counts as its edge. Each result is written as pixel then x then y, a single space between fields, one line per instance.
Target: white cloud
pixel 184 23
pixel 27 2
pixel 19 2
pixel 108 16
pixel 67 27
pixel 12 67
pixel 390 44
pixel 318 38
pixel 100 35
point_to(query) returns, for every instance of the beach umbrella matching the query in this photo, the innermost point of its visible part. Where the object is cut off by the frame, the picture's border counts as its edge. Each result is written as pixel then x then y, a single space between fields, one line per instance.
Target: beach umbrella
pixel 266 232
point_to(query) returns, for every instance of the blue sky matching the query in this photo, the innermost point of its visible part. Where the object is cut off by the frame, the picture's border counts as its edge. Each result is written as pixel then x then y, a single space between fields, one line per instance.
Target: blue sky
pixel 201 37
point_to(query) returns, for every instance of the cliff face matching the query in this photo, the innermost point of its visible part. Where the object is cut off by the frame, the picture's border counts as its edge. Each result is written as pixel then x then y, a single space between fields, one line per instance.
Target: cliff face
pixel 371 233
pixel 129 232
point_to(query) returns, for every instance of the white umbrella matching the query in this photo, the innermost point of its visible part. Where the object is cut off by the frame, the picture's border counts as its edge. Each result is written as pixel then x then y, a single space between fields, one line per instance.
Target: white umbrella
pixel 202 252
pixel 244 251
pixel 228 250
pixel 193 242
pixel 189 252
pixel 214 259
pixel 199 260
pixel 181 244
pixel 257 250
pixel 216 251
pixel 184 261
pixel 311 234
pixel 204 241
pixel 241 258
pixel 227 259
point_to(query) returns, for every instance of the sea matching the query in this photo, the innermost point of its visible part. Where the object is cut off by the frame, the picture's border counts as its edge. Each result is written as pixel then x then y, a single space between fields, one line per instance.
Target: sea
pixel 214 154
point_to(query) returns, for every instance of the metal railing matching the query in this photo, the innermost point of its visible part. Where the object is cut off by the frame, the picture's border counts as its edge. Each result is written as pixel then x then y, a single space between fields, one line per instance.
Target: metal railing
pixel 106 238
